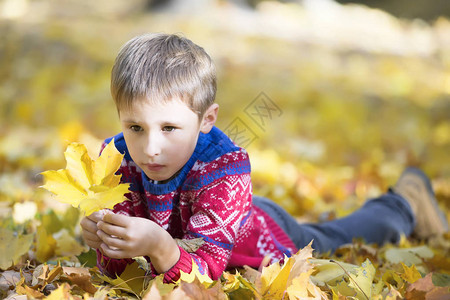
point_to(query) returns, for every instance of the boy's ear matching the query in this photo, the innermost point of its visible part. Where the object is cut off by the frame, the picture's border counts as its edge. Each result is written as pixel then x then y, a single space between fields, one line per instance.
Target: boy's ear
pixel 209 118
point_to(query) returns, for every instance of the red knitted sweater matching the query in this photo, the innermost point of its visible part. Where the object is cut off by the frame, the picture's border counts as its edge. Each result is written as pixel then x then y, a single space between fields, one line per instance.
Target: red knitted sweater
pixel 211 197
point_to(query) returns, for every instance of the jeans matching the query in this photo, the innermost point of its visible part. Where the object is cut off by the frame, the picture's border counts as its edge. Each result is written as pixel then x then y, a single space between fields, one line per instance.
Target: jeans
pixel 380 220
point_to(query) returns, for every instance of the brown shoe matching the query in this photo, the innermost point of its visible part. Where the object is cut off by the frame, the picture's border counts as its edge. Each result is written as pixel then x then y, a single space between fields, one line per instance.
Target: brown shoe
pixel 416 188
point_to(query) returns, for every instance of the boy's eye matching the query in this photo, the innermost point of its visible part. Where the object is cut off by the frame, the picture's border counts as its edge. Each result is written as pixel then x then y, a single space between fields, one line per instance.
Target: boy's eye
pixel 168 128
pixel 136 128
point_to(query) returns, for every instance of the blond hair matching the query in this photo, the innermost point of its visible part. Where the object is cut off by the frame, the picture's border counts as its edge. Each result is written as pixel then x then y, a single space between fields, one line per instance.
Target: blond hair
pixel 161 67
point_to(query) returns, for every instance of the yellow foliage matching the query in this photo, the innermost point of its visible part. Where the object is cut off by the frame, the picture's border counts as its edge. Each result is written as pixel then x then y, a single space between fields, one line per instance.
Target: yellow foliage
pixel 66 244
pixel 362 281
pixel 302 288
pixel 45 244
pixel 410 274
pixel 274 279
pixel 90 185
pixel 327 152
pixel 131 280
pixel 62 292
pixel 195 273
pixel 12 247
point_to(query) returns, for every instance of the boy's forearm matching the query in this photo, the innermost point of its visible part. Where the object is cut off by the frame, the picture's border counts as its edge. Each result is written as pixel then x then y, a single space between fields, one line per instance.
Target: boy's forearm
pixel 166 254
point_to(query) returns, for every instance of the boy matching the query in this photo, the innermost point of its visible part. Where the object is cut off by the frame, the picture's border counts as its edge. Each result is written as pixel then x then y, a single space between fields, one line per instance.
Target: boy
pixel 189 180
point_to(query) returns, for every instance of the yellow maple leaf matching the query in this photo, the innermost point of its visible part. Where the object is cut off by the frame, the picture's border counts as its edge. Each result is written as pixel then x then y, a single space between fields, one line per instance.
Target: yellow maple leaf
pixel 274 278
pixel 204 279
pixel 276 281
pixel 90 185
pixel 303 288
pixel 232 283
pixel 363 279
pixel 360 282
pixel 62 292
pixel 410 274
pixel 300 284
pixel 131 280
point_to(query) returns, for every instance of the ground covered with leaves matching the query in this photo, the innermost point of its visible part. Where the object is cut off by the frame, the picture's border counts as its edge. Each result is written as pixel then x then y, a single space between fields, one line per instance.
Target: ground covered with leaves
pixel 352 106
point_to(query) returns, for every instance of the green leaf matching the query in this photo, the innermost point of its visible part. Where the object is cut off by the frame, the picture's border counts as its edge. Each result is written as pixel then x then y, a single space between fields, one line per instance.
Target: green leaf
pixel 408 256
pixel 440 279
pixel 88 258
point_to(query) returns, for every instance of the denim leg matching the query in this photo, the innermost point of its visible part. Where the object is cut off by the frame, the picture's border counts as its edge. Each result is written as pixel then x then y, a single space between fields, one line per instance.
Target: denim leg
pixel 379 220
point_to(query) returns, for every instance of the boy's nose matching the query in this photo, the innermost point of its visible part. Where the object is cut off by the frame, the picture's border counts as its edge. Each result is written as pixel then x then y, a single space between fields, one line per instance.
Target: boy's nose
pixel 153 147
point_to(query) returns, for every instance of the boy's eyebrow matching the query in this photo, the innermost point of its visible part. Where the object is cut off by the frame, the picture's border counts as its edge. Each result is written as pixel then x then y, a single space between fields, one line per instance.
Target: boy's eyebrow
pixel 164 122
pixel 129 121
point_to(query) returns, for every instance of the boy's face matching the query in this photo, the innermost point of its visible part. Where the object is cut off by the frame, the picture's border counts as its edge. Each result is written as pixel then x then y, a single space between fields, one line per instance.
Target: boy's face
pixel 160 137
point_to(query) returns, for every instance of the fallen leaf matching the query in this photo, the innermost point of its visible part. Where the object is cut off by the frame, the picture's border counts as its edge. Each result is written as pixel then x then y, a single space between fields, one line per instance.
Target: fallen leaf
pixel 425 286
pixel 143 263
pixel 13 246
pixel 393 294
pixel 274 279
pixel 301 262
pixel 195 273
pixel 362 281
pixel 157 288
pixel 191 245
pixel 408 256
pixel 303 288
pixel 131 280
pixel 392 278
pixel 410 274
pixel 237 287
pixel 9 279
pixel 83 281
pixel 66 244
pixel 198 291
pixel 62 292
pixel 30 292
pixel 328 272
pixel 45 244
pixel 441 279
pixel 152 293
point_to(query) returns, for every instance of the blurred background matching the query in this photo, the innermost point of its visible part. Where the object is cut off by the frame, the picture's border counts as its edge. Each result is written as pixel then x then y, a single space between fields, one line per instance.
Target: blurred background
pixel 346 94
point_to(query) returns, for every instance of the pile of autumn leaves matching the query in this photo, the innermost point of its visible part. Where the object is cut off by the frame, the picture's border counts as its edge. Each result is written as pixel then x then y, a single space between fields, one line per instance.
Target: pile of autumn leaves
pixel 357 271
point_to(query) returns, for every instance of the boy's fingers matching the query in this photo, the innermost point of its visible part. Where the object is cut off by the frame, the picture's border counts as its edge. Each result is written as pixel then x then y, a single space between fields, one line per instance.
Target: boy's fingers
pixel 112 241
pixel 88 225
pixel 96 216
pixel 112 230
pixel 112 253
pixel 94 244
pixel 90 236
pixel 116 219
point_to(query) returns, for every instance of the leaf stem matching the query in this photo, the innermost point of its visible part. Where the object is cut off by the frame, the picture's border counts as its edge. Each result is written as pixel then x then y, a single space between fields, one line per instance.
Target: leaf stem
pixel 348 274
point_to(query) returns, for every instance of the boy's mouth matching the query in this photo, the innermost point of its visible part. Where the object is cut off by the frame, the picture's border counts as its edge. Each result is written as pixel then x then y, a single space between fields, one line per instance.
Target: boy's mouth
pixel 154 167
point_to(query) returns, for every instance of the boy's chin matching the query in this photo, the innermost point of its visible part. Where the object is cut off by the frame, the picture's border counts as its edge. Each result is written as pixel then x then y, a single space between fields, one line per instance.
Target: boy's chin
pixel 161 178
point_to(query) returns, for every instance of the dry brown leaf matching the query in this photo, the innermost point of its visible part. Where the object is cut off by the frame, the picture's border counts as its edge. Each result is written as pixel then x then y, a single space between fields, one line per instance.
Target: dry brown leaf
pixel 83 281
pixel 190 245
pixel 424 287
pixel 196 290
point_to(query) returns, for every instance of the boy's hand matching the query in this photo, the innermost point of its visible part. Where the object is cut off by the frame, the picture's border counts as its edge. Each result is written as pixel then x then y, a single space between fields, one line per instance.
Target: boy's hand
pixel 89 229
pixel 128 237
